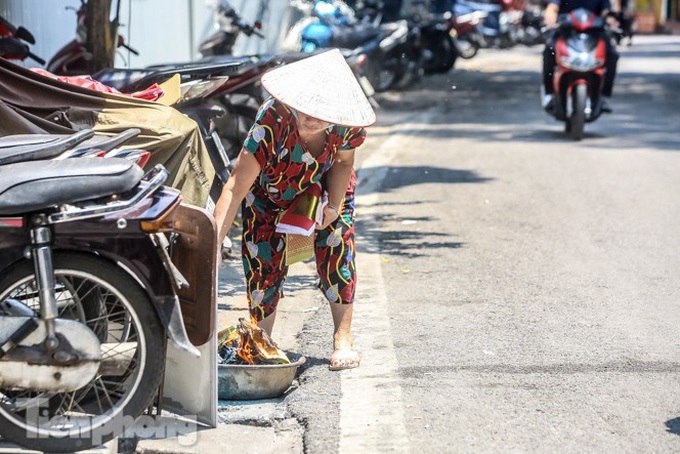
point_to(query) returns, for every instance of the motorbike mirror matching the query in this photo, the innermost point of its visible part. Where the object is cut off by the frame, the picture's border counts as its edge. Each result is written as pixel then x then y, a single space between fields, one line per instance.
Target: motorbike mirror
pixel 25 35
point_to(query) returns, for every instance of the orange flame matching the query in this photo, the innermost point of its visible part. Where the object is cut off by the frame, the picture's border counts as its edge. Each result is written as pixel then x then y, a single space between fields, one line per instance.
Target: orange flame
pixel 253 345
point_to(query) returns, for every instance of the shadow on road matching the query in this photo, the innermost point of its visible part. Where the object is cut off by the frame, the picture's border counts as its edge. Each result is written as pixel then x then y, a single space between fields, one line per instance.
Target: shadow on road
pixel 400 243
pixel 673 426
pixel 401 176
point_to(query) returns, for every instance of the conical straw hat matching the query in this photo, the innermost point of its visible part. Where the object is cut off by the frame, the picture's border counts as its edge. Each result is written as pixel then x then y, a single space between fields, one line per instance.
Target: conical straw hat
pixel 322 86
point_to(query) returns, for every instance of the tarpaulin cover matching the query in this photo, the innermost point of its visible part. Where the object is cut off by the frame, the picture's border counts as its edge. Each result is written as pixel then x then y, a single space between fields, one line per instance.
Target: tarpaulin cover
pixel 32 103
pixel 151 93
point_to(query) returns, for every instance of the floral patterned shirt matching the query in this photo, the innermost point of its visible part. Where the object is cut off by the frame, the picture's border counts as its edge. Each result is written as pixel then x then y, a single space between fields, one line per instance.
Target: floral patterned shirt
pixel 287 167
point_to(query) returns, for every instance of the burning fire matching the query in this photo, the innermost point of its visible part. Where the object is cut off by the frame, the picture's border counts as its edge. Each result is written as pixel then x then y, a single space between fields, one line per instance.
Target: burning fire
pixel 246 343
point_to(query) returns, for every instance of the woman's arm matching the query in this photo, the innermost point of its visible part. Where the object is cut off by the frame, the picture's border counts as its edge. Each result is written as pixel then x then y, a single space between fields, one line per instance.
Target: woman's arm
pixel 337 182
pixel 550 14
pixel 246 169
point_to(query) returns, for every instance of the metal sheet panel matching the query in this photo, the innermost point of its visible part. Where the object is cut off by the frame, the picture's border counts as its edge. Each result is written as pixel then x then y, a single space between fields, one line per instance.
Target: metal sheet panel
pixel 190 385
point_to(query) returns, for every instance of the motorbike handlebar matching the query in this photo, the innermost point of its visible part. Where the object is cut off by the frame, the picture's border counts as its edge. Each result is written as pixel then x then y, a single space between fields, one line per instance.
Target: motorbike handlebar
pixel 130 49
pixel 36 58
pixel 247 28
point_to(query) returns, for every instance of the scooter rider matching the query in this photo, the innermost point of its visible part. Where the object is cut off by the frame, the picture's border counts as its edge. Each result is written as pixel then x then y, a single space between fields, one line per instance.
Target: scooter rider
pixel 552 11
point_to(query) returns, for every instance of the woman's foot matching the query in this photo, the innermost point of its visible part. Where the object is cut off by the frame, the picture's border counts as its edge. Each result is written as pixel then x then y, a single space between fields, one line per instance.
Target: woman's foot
pixel 344 358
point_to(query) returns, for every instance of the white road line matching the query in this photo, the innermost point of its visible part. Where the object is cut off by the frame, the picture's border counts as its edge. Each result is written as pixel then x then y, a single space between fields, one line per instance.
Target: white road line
pixel 371 406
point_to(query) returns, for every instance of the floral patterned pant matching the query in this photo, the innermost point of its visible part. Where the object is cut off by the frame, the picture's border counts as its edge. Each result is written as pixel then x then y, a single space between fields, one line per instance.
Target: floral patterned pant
pixel 264 259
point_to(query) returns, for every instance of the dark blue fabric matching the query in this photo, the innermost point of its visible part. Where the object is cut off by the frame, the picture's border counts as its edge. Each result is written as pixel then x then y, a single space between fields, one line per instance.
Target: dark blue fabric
pixel 596 6
pixel 441 6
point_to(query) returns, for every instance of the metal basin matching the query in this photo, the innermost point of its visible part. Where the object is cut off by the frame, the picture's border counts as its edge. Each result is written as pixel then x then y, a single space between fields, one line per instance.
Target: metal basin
pixel 265 381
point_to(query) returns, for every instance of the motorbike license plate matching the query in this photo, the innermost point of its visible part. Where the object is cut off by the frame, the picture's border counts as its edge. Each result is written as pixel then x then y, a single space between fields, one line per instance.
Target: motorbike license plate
pixel 366 86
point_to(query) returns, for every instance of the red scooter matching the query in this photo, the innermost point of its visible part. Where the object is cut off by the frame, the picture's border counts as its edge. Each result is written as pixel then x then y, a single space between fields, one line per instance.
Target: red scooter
pixel 73 59
pixel 13 42
pixel 215 85
pixel 467 39
pixel 580 51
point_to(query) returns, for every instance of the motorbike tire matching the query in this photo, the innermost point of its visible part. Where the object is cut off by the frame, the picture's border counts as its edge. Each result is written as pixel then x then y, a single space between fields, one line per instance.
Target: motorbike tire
pixel 98 293
pixel 466 49
pixel 577 120
pixel 444 55
pixel 380 76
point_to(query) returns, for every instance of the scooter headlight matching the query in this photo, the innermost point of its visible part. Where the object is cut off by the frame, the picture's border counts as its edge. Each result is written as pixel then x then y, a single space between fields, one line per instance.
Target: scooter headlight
pixel 581 61
pixel 201 88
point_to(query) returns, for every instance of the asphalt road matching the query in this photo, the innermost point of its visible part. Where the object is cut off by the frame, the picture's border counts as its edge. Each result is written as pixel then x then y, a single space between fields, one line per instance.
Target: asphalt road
pixel 518 290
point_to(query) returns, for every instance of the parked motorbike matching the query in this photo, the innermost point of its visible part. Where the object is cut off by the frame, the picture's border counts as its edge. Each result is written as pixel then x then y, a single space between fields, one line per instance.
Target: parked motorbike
pixel 230 25
pixel 409 56
pixel 73 58
pixel 413 54
pixel 198 81
pixel 466 34
pixel 88 292
pixel 33 147
pixel 357 58
pixel 393 50
pixel 198 84
pixel 14 42
pixel 502 21
pixel 439 49
pixel 533 30
pixel 579 74
pixel 221 92
pixel 242 96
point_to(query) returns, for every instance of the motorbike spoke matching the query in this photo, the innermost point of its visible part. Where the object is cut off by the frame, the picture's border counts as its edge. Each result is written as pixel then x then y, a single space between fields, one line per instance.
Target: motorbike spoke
pixel 67 300
pixel 99 385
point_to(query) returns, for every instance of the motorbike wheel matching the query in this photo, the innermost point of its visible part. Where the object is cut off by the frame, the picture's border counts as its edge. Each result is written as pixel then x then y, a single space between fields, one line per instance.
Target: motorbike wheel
pixel 444 56
pixel 466 49
pixel 381 77
pixel 409 76
pixel 96 292
pixel 577 120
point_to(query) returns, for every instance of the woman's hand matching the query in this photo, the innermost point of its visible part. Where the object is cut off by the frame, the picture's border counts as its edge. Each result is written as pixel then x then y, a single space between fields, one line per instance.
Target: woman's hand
pixel 330 214
pixel 337 181
pixel 550 15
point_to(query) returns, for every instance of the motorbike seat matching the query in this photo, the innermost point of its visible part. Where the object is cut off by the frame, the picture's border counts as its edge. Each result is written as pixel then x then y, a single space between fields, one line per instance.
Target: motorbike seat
pixel 131 80
pixel 355 36
pixel 236 61
pixel 33 147
pixel 119 78
pixel 14 148
pixel 33 186
pixel 108 143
